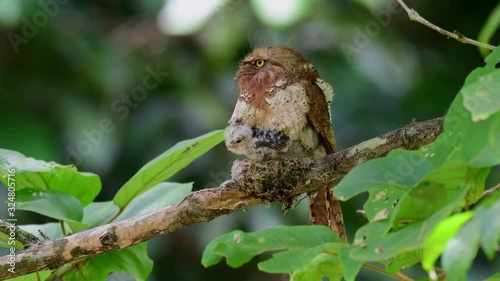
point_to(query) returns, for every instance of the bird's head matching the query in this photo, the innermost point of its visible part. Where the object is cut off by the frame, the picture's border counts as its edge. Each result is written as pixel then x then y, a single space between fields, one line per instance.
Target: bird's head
pixel 238 138
pixel 265 67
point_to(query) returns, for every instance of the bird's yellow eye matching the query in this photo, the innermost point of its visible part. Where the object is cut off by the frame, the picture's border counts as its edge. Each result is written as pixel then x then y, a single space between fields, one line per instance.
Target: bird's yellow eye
pixel 259 63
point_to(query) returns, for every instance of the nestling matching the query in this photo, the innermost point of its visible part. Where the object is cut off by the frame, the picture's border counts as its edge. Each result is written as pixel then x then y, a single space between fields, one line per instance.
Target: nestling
pixel 255 143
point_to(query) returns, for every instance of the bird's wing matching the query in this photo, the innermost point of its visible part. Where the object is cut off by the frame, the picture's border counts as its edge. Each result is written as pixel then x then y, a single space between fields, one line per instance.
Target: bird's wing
pixel 319 115
pixel 324 209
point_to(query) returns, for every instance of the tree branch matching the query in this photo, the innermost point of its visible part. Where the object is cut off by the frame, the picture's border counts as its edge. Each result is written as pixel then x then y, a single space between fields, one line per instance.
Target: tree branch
pixel 252 184
pixel 414 16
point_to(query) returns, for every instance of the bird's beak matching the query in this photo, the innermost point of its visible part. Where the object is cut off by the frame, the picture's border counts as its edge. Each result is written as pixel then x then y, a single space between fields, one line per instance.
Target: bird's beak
pixel 238 74
pixel 241 72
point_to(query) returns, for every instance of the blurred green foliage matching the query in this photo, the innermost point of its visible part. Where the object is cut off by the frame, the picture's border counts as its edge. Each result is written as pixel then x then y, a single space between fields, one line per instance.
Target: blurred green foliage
pixel 74 88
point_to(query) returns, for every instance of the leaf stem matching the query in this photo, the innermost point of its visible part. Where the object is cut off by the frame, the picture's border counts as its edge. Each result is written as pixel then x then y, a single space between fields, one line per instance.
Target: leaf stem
pixel 114 216
pixel 398 276
pixel 403 276
pixel 63 229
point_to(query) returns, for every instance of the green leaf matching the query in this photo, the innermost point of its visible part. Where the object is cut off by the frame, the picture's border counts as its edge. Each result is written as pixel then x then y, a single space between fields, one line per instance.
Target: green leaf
pixel 98 213
pixel 368 234
pixel 324 264
pixel 390 245
pixel 160 196
pixel 381 201
pixel 315 263
pixel 371 232
pixel 444 187
pixel 239 247
pixel 398 170
pixel 50 203
pixel 490 232
pixel 37 276
pixel 489 28
pixel 133 261
pixel 491 63
pixel 439 236
pixel 51 230
pixel 36 174
pixel 494 277
pixel 481 90
pixel 483 229
pixel 6 243
pixel 119 276
pixel 351 266
pixel 374 242
pixel 403 261
pixel 476 177
pixel 419 203
pixel 477 143
pixel 482 97
pixel 472 134
pixel 166 165
pixel 449 174
pixel 74 227
pixel 289 261
pixel 460 251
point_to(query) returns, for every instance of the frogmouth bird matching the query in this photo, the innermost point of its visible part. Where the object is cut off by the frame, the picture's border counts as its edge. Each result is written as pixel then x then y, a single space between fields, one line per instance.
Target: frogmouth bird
pixel 283 99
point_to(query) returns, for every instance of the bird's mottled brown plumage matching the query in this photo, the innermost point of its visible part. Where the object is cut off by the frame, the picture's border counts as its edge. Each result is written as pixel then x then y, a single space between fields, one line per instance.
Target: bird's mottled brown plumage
pixel 280 90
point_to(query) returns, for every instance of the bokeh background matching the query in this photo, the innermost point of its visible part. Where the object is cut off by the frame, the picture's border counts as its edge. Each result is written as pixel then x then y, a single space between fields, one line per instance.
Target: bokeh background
pixel 66 65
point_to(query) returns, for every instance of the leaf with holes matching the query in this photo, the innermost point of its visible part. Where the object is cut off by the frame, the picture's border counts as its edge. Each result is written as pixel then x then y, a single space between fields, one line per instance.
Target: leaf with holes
pixel 382 200
pixel 374 241
pixel 481 90
pixel 477 143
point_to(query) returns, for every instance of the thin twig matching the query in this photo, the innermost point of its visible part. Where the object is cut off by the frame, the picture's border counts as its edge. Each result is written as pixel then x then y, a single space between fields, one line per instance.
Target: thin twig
pixel 43 235
pixel 63 229
pixel 492 190
pixel 22 236
pixel 414 16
